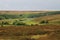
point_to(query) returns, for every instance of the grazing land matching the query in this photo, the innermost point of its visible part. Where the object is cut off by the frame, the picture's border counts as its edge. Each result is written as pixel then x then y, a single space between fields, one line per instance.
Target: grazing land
pixel 29 25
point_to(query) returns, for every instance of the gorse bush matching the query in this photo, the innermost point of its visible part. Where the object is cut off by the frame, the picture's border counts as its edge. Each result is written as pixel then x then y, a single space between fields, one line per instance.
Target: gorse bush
pixel 18 23
pixel 4 23
pixel 44 22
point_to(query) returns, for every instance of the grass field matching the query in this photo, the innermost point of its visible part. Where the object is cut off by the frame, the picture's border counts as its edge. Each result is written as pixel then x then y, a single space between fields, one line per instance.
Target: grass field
pixel 29 25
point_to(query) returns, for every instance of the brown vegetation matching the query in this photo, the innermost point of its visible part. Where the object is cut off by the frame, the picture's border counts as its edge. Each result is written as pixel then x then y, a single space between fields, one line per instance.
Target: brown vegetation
pixel 23 32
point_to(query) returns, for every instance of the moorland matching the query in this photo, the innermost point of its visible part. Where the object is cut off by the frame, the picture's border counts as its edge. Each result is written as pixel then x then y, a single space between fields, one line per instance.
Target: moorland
pixel 29 25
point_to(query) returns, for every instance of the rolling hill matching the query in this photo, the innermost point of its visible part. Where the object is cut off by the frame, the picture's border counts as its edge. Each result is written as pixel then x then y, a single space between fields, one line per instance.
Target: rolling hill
pixel 25 14
pixel 18 25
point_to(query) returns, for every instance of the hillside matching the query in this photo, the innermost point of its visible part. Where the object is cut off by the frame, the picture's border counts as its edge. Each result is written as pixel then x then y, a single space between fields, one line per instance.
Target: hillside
pixel 29 25
pixel 53 19
pixel 42 32
pixel 49 18
pixel 24 14
pixel 29 17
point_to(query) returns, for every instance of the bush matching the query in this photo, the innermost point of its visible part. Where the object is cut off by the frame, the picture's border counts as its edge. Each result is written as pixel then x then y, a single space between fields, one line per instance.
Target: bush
pixel 5 23
pixel 44 22
pixel 1 18
pixel 18 23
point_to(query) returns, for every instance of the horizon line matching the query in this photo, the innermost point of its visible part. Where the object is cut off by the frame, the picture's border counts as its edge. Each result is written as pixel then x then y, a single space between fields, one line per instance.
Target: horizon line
pixel 29 10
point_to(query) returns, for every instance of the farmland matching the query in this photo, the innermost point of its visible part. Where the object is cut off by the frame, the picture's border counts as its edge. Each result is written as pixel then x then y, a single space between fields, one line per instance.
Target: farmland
pixel 29 25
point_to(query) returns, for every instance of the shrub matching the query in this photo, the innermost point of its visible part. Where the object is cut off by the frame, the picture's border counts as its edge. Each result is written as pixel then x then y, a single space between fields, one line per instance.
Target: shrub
pixel 44 22
pixel 5 23
pixel 18 23
pixel 1 18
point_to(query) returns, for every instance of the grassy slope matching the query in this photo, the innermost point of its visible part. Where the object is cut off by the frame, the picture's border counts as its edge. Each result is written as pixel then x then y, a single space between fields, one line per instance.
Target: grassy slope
pixel 16 32
pixel 35 20
pixel 51 18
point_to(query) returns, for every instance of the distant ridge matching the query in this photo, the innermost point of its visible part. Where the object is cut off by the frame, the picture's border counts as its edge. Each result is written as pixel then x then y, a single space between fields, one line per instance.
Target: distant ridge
pixel 24 12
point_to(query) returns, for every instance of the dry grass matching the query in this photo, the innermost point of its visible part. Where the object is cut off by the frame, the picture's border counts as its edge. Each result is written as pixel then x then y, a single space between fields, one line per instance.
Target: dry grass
pixel 30 32
pixel 21 12
pixel 49 18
